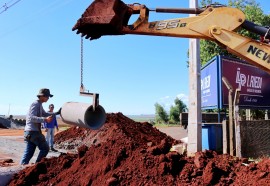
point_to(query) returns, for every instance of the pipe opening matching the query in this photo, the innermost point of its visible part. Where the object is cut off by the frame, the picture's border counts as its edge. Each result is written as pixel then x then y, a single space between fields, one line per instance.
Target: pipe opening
pixel 95 119
pixel 83 115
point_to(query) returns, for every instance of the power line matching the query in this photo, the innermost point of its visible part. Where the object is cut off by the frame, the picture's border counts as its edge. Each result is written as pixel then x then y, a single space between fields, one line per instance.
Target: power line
pixel 45 10
pixel 8 5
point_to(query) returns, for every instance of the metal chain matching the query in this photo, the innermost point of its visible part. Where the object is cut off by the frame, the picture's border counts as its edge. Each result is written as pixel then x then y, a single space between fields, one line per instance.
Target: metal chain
pixel 81 61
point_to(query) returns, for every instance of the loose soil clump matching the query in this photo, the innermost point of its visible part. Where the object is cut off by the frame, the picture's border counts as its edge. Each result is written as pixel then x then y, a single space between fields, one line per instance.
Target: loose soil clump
pixel 125 152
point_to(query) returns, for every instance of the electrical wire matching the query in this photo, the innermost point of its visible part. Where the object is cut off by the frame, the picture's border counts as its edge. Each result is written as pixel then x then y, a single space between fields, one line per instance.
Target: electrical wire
pixel 6 6
pixel 35 15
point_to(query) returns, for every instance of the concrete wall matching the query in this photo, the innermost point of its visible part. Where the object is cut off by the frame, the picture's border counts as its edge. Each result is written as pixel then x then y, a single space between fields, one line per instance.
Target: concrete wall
pixel 206 118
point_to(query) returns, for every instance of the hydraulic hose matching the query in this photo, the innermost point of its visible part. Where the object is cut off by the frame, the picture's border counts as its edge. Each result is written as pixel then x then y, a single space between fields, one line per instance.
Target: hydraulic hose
pixel 252 27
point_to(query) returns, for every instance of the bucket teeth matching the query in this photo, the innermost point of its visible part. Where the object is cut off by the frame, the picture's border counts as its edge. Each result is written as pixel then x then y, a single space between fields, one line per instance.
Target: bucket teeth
pixel 103 17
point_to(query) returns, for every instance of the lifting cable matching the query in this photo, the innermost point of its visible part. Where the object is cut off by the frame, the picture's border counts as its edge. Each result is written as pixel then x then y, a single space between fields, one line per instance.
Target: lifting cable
pixel 84 92
pixel 82 87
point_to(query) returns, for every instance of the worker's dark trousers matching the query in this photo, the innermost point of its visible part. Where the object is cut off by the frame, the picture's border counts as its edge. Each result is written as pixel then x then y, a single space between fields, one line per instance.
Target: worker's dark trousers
pixel 34 139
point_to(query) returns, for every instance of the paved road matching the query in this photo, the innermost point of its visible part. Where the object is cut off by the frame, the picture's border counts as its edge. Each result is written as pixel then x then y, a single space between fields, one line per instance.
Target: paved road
pixel 175 132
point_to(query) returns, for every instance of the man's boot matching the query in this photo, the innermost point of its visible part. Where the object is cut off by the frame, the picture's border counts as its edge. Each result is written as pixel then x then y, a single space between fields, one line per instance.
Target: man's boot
pixel 54 150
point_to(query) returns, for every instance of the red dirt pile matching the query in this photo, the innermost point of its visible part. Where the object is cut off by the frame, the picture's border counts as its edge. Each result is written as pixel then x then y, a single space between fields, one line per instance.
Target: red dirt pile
pixel 124 152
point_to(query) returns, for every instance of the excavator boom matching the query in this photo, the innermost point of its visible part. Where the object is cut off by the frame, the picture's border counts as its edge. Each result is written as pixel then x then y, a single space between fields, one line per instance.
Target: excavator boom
pixel 216 23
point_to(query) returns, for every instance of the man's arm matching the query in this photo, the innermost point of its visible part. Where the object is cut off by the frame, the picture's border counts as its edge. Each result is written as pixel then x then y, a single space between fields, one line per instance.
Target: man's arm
pixel 34 115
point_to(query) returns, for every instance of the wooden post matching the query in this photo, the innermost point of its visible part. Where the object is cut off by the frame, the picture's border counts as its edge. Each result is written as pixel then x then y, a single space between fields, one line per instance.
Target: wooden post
pixel 225 134
pixel 266 115
pixel 231 126
pixel 248 114
pixel 237 124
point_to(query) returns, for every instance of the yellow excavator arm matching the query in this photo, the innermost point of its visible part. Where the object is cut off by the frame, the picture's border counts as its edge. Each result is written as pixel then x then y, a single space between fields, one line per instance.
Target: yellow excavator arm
pixel 219 24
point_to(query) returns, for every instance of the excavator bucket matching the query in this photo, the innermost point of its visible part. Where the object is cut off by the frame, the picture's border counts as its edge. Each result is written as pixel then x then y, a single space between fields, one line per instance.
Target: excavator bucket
pixel 103 17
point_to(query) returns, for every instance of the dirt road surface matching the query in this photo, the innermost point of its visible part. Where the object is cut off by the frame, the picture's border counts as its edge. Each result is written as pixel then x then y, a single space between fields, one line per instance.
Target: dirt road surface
pixel 12 147
pixel 175 132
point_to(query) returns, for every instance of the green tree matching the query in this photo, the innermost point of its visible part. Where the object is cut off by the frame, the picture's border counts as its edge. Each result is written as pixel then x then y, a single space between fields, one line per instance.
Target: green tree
pixel 253 12
pixel 174 114
pixel 257 114
pixel 161 116
pixel 175 111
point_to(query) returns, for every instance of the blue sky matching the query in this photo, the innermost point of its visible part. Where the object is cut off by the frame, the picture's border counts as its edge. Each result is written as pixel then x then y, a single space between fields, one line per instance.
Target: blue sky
pixel 131 73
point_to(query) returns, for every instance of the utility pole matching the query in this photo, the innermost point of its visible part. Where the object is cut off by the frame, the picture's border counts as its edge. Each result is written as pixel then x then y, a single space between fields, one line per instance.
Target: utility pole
pixel 194 115
pixel 8 110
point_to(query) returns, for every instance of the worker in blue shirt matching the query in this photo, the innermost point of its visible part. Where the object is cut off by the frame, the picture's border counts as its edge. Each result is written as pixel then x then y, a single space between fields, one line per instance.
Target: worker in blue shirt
pixel 49 128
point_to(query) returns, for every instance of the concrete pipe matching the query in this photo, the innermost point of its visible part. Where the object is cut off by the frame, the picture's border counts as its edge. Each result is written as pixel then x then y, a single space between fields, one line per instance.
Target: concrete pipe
pixel 83 115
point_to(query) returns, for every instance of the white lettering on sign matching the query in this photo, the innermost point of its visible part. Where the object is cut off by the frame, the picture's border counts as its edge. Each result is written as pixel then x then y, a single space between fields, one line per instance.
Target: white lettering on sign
pixel 253 83
pixel 240 79
pixel 254 90
pixel 250 99
pixel 206 82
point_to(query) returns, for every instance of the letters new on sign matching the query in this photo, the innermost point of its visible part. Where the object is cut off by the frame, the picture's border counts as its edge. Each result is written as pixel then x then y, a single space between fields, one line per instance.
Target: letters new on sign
pixel 254 84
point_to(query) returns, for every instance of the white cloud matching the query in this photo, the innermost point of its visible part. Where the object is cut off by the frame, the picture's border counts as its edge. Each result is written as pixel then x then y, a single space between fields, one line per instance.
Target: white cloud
pixel 164 98
pixel 183 97
pixel 168 101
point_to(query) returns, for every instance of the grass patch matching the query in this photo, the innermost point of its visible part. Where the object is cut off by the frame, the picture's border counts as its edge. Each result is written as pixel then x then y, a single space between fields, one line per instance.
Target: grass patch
pixel 166 125
pixel 142 118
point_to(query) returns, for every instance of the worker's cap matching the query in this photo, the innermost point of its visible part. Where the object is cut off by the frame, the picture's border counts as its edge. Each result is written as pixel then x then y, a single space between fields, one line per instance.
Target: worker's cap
pixel 44 92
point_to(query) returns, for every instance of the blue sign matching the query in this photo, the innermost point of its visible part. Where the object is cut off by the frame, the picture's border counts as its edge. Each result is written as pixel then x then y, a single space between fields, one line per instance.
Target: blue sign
pixel 209 85
pixel 253 83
